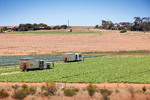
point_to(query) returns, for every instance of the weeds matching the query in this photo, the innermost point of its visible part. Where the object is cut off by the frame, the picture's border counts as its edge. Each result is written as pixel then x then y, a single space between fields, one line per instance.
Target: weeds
pixel 105 97
pixel 117 91
pixel 24 86
pixel 20 94
pixel 75 89
pixel 43 88
pixel 131 91
pixel 69 92
pixel 15 87
pixel 49 89
pixel 91 89
pixel 46 93
pixel 3 94
pixel 23 92
pixel 144 89
pixel 32 90
pixel 105 94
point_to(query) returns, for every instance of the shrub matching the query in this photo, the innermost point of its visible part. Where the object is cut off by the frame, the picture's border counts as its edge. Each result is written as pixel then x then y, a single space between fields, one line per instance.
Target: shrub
pixel 57 27
pixel 47 28
pixel 123 31
pixel 105 97
pixel 46 93
pixel 15 87
pixel 43 88
pixel 69 92
pixel 27 90
pixel 106 92
pixel 63 26
pixel 144 89
pixel 117 91
pixel 24 86
pixel 3 94
pixel 91 89
pixel 75 89
pixel 51 88
pixel 32 90
pixel 96 26
pixel 20 94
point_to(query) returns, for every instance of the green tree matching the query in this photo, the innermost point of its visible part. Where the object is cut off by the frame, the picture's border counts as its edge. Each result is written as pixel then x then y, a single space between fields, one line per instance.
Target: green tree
pixel 96 26
pixel 56 27
pixel 141 24
pixel 47 28
pixel 3 29
pixel 64 26
pixel 23 28
pixel 35 27
pixel 107 24
pixel 15 29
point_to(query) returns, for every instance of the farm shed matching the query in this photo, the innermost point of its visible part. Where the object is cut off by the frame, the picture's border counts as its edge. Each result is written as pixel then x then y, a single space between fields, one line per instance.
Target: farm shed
pixel 27 64
pixel 67 57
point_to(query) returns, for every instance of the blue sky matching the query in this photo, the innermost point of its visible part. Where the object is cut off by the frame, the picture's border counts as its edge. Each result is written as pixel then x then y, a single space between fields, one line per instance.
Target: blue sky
pixel 79 12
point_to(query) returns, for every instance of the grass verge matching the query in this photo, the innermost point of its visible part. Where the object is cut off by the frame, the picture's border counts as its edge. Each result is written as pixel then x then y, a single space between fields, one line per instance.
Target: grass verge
pixel 113 53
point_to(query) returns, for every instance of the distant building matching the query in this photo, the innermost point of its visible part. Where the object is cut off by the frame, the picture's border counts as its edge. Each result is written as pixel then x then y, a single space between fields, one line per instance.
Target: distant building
pixel 41 28
pixel 11 27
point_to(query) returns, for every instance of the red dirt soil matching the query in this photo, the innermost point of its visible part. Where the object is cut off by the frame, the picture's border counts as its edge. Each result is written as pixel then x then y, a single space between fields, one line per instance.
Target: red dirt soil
pixel 28 44
pixel 122 88
pixel 83 84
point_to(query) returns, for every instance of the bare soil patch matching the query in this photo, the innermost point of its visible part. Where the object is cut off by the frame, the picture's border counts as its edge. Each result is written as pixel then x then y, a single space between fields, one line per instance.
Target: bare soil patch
pixel 28 44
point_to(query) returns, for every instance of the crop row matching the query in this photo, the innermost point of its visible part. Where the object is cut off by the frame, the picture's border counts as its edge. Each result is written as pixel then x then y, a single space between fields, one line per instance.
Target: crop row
pixel 8 69
pixel 95 70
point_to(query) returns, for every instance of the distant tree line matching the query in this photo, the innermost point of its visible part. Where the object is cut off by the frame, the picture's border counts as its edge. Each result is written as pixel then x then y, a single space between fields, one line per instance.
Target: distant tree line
pixel 140 24
pixel 30 27
pixel 41 26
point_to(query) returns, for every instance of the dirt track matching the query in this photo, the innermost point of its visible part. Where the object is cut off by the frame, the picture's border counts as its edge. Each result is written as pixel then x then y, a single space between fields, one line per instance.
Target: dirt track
pixel 27 44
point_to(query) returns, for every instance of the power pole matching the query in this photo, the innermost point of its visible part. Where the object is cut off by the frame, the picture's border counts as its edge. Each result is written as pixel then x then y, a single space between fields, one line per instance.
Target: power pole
pixel 68 23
